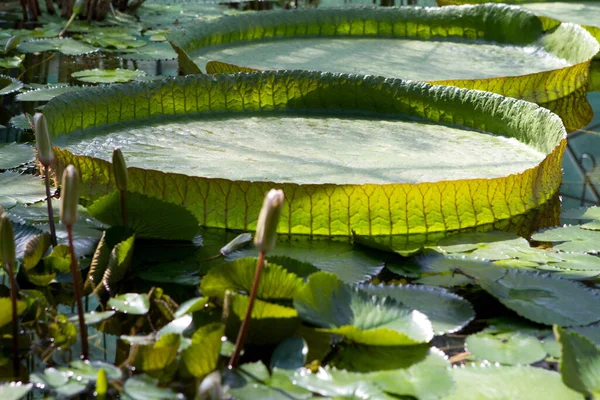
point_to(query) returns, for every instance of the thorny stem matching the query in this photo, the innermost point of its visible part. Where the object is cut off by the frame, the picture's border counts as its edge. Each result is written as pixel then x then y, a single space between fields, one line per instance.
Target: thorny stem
pixel 78 294
pixel 50 212
pixel 123 211
pixel 239 343
pixel 15 319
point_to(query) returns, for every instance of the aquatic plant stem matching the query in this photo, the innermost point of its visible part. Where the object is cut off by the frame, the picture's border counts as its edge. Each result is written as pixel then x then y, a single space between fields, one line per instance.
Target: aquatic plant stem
pixel 15 319
pixel 239 343
pixel 78 294
pixel 123 212
pixel 50 211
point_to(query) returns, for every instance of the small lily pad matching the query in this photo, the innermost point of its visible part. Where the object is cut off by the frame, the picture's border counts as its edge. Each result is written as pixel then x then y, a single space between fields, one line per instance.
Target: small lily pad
pixel 571 239
pixel 47 93
pixel 10 62
pixel 506 348
pixel 13 155
pixel 108 75
pixel 67 46
pixel 94 317
pixel 151 52
pixel 14 390
pixel 131 303
pixel 9 85
pixel 144 387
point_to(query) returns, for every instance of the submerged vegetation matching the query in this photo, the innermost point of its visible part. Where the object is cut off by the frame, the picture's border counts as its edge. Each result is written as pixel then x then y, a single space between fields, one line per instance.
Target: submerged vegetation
pixel 332 231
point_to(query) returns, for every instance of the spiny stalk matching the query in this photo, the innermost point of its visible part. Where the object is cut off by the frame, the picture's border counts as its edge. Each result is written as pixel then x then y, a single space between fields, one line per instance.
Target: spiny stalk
pixel 68 216
pixel 265 239
pixel 7 253
pixel 46 157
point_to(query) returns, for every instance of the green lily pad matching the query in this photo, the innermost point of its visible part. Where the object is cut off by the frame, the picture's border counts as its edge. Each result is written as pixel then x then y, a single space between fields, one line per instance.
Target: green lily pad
pixel 542 298
pixel 201 357
pixel 94 317
pixel 107 75
pixel 275 281
pixel 428 379
pixel 190 306
pixel 114 38
pixel 14 390
pixel 47 93
pixel 88 370
pixel 515 382
pixel 13 155
pixel 303 257
pixel 20 188
pixel 329 303
pixel 65 46
pixel 506 348
pixel 571 239
pixel 144 387
pixel 253 381
pixel 148 217
pixel 289 354
pixel 9 85
pixel 130 303
pixel 386 42
pixel 592 332
pixel 6 307
pixel 246 201
pixel 579 362
pixel 447 312
pixel 151 52
pixel 10 62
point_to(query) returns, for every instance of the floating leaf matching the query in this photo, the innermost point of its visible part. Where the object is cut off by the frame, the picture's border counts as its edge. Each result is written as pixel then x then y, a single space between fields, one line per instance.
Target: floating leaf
pixel 47 93
pixel 35 250
pixel 151 52
pixel 20 188
pixel 107 75
pixel 60 259
pixel 238 275
pixel 190 306
pixel 148 217
pixel 88 370
pixel 543 298
pixel 270 323
pixel 520 382
pixel 329 303
pixel 116 38
pixel 130 303
pixel 370 209
pixel 428 379
pixel 592 332
pixel 506 348
pixel 10 62
pixel 384 41
pixel 6 310
pixel 255 382
pixel 363 358
pixel 9 85
pixel 67 46
pixel 303 257
pixel 155 357
pixel 579 362
pixel 144 387
pixel 289 354
pixel 13 155
pixel 94 317
pixel 571 239
pixel 447 312
pixel 14 390
pixel 201 357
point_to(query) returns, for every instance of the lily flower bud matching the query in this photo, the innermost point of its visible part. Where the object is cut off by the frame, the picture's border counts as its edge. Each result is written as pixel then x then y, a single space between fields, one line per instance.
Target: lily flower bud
pixel 265 237
pixel 210 388
pixel 69 198
pixel 11 44
pixel 119 170
pixel 7 240
pixel 237 243
pixel 101 384
pixel 42 140
pixel 78 7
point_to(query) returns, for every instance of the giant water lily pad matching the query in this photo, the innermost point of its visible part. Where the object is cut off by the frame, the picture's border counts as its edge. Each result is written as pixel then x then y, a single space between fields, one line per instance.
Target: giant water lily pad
pixel 481 46
pixel 325 195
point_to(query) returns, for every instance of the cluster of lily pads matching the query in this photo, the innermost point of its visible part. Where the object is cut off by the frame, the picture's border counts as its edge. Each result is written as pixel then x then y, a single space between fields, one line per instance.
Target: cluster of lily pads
pixel 362 315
